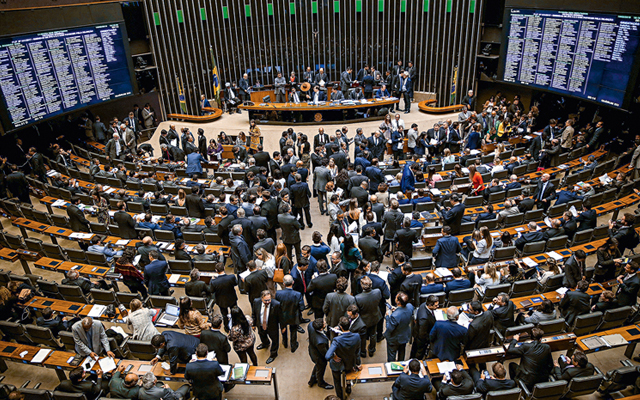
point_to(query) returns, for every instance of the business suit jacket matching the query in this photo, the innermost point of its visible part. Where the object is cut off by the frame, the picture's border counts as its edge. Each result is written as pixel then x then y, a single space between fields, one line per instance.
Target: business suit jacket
pixel 567 373
pixel 18 185
pixel 446 251
pixel 478 336
pixel 91 389
pixel 411 387
pixel 369 305
pixel 503 316
pixel 425 320
pixel 321 175
pixel 453 218
pixel 405 238
pixel 549 191
pixel 240 252
pixel 587 220
pixel 203 375
pixel 318 345
pixel 300 194
pixel 255 283
pixel 223 289
pixel 485 386
pixel 370 248
pixel 529 237
pixel 345 81
pixel 291 306
pixel 535 361
pixel 320 140
pixel 126 224
pixel 399 325
pixel 155 278
pixel 536 146
pixel 99 340
pixel 111 150
pixel 335 306
pixel 273 319
pixel 218 342
pixel 290 228
pixel 573 272
pixel 340 160
pixel 466 387
pixel 320 287
pixel 358 326
pixel 347 347
pixel 377 146
pixel 410 284
pixel 628 291
pixel 195 206
pixel 447 338
pixel 360 194
pixel 391 222
pixel 77 221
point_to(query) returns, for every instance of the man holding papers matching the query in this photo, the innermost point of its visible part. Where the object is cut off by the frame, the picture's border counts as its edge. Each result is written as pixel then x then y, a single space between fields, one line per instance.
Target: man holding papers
pixel 78 384
pixel 409 385
pixel 91 339
pixel 203 375
pixel 447 337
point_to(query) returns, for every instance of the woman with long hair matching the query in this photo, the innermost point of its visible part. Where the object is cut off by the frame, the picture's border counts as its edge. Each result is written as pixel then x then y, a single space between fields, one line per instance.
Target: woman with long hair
pixel 421 144
pixel 214 150
pixel 282 260
pixel 102 207
pixel 457 171
pixel 190 319
pixel 448 157
pixel 353 215
pixel 333 238
pixel 477 185
pixel 483 244
pixel 268 264
pixel 242 336
pixel 433 177
pixel 366 208
pixel 607 265
pixel 7 303
pixel 224 139
pixel 333 168
pixel 351 258
pixel 181 201
pixel 487 277
pixel 342 181
pixel 131 277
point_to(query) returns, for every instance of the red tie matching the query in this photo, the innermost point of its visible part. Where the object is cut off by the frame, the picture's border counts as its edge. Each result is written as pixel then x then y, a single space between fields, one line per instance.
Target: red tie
pixel 304 284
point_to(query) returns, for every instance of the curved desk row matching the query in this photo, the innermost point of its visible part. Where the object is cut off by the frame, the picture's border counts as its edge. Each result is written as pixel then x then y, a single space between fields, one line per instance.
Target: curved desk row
pixel 425 107
pixel 215 114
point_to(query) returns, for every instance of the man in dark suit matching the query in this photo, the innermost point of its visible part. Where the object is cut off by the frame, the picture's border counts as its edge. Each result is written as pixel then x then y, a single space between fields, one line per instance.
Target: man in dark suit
pixel 376 177
pixel 555 230
pixel 535 359
pixel 339 157
pixel 318 347
pixel 536 146
pixel 240 250
pixel 370 246
pixel 203 375
pixel 398 332
pixel 300 195
pixel 569 225
pixel 266 316
pixel 446 250
pixel 486 216
pixel 458 282
pixel 269 210
pixel 18 185
pixel 502 310
pixel 357 325
pixel 453 216
pixel 533 235
pixel 545 192
pixel 627 294
pixel 336 303
pixel 574 269
pixel 478 336
pixel 77 221
pixel 178 347
pixel 223 290
pixel 216 340
pixel 411 283
pixel 360 193
pixel 587 218
pixel 368 303
pixel 194 204
pixel 391 222
pixel 77 383
pixel 155 278
pixel 290 230
pixel 344 354
pixel 425 320
pixel 447 337
pixel 575 303
pixel 409 385
pixel 291 306
pixel 256 282
pixel 377 145
pixel 459 383
pixel 320 139
pixel 320 287
pixel 575 367
pixel 486 384
pixel 125 222
pixel 406 237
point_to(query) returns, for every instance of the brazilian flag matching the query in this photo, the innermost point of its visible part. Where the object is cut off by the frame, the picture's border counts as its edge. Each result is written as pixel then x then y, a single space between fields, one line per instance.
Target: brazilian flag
pixel 183 101
pixel 216 80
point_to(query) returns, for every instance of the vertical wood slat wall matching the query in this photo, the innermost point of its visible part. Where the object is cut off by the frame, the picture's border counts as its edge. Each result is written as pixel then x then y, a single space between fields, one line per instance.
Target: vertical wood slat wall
pixel 264 36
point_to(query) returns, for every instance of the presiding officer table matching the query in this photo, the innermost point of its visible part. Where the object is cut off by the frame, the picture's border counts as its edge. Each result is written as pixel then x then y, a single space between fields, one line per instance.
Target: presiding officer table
pixel 306 113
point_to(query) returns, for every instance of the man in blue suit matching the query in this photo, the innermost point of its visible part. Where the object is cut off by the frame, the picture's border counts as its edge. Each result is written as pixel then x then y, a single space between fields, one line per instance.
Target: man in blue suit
pixel 203 375
pixel 447 337
pixel 473 140
pixel 194 165
pixel 485 216
pixel 431 286
pixel 291 307
pixel 398 331
pixel 566 196
pixel 375 175
pixel 533 235
pixel 447 249
pixel 458 282
pixel 343 354
pixel 453 216
pixel 587 218
pixel 406 86
pixel 318 95
pixel 177 346
pixel 155 275
pixel 371 269
pixel 409 385
pixel 381 92
pixel 513 183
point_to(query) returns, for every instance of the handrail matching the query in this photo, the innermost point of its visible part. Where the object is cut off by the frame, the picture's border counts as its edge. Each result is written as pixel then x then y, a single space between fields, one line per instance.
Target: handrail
pixel 424 106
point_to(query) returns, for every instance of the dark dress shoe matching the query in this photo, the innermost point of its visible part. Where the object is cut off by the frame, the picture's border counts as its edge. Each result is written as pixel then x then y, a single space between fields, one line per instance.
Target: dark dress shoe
pixel 261 346
pixel 371 353
pixel 311 384
pixel 301 330
pixel 310 312
pixel 348 389
pixel 270 360
pixel 304 321
pixel 285 344
pixel 310 226
pixel 294 347
pixel 326 386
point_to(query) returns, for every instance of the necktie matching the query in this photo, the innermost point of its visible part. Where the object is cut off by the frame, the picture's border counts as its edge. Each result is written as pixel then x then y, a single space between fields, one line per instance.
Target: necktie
pixel 304 284
pixel 544 186
pixel 264 318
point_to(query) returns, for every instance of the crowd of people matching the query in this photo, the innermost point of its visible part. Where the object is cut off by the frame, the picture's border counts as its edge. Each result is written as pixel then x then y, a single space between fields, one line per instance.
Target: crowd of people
pixel 339 279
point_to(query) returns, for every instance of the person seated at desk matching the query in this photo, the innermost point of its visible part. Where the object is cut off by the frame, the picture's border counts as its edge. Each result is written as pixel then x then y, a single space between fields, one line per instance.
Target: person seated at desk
pixel 535 359
pixel 494 187
pixel 409 385
pixel 106 250
pixel 146 222
pixel 575 303
pixel 73 278
pixel 460 383
pixel 531 236
pixel 458 282
pixel 124 386
pixel 152 390
pixel 381 92
pixel 178 347
pixel 421 198
pixel 90 339
pixel 78 383
pixel 415 221
pixel 502 309
pixel 546 311
pixel 447 337
pixel 51 320
pixel 447 249
pixel 568 368
pixel 431 286
pixel 510 208
pixel 486 216
pixel 318 95
pixel 566 196
pixel 140 321
pixel 486 383
pixel 606 301
pixel 171 224
pixel 195 287
pixel 588 218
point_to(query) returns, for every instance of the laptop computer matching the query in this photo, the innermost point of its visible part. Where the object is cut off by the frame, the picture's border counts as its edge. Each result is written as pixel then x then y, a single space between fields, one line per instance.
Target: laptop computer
pixel 170 315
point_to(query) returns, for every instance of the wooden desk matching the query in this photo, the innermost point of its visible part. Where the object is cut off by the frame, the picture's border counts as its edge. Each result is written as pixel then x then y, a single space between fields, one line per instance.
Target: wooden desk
pixel 425 106
pixel 99 147
pixel 215 114
pixel 8 254
pixel 366 375
pixel 631 333
pixel 64 307
pixel 434 371
pixel 561 342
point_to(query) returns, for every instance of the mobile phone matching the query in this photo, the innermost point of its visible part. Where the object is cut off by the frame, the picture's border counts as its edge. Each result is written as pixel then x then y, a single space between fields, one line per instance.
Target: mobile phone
pixel 129 368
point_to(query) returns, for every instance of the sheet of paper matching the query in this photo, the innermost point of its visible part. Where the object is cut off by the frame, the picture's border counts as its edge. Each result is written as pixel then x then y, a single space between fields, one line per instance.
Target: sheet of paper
pixel 547 221
pixel 245 274
pixel 145 368
pixel 375 371
pixel 443 272
pixel 519 229
pixel 262 373
pixel 439 314
pixel 225 376
pixel 562 290
pixel 614 340
pixel 107 364
pixel 122 242
pixel 174 278
pixel 435 192
pixel 574 211
pixel 88 363
pixel 97 310
pixel 464 320
pixel 555 255
pixel 446 366
pixel 40 356
pixel 24 353
pixel 529 262
pixel 383 275
pixel 136 259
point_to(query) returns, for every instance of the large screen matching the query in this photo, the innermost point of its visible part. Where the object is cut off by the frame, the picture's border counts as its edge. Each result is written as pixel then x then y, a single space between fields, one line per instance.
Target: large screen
pixel 586 55
pixel 50 73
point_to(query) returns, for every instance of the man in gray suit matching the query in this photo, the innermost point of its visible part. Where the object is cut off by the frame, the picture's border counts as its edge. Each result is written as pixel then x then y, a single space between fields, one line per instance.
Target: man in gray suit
pixel 280 84
pixel 90 338
pixel 321 76
pixel 322 175
pixel 115 148
pixel 336 303
pixel 368 303
pixel 150 390
pixel 345 80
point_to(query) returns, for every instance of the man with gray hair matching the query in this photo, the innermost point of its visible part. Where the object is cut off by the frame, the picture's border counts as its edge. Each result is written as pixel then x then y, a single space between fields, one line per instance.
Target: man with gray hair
pixel 247 226
pixel 533 235
pixel 90 338
pixel 447 337
pixel 115 148
pixel 240 251
pixel 509 209
pixel 503 311
pixel 291 307
pixel 152 390
pixel 203 255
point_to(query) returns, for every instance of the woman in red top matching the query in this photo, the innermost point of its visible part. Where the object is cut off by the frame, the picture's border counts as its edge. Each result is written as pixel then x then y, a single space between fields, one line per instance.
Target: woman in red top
pixel 477 185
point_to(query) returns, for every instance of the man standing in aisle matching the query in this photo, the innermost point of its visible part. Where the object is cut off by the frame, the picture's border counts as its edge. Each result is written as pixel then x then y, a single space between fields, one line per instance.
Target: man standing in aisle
pixel 280 84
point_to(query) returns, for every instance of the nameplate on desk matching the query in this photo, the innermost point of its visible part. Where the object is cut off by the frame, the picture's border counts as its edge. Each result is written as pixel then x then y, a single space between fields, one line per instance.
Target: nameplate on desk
pixel 484 352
